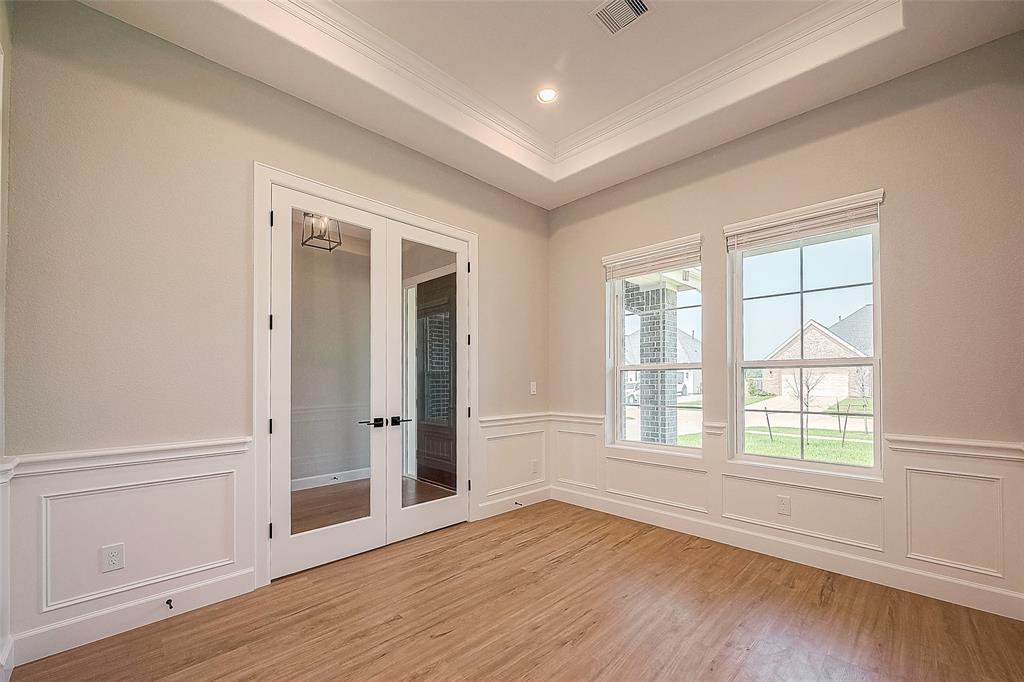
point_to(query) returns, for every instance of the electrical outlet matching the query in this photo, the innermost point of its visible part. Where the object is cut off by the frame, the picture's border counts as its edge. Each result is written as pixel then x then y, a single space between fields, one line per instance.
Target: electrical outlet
pixel 534 466
pixel 112 557
pixel 533 388
pixel 784 505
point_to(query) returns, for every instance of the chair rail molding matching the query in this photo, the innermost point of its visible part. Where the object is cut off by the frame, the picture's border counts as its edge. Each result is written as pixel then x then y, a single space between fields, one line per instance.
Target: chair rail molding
pixel 101 458
pixel 957 447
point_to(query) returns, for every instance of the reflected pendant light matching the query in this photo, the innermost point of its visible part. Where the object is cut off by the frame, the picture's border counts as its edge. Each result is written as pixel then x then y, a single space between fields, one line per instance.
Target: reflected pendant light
pixel 320 232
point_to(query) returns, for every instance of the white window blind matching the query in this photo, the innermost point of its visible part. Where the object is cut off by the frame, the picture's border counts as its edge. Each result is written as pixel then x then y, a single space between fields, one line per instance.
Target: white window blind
pixel 850 212
pixel 670 255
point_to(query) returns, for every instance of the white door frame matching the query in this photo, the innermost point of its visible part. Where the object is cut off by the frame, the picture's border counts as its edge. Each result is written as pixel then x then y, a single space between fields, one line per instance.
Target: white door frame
pixel 264 177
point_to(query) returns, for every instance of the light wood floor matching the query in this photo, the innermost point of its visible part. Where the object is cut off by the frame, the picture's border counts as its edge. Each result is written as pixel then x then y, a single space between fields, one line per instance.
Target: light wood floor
pixel 556 592
pixel 327 505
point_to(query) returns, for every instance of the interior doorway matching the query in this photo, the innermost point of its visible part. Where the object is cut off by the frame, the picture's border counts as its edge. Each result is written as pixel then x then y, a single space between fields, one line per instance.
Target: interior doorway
pixel 368 380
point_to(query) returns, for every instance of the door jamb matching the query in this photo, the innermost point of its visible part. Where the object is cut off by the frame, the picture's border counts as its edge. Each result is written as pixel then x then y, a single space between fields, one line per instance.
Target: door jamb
pixel 264 177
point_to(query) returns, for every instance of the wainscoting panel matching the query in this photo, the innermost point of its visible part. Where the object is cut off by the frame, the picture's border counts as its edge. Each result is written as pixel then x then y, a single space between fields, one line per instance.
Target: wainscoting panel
pixel 675 485
pixel 953 536
pixel 184 512
pixel 163 538
pixel 515 460
pixel 509 465
pixel 835 515
pixel 955 519
pixel 576 462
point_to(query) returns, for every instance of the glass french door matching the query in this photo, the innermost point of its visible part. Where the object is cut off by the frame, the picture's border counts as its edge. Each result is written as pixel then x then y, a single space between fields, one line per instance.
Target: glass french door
pixel 369 381
pixel 428 381
pixel 327 377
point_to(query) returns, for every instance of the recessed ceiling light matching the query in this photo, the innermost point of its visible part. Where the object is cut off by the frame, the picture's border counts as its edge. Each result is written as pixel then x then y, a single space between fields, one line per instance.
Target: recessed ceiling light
pixel 547 95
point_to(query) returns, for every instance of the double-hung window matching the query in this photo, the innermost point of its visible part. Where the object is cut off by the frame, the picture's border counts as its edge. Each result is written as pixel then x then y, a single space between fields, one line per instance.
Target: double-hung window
pixel 805 334
pixel 656 386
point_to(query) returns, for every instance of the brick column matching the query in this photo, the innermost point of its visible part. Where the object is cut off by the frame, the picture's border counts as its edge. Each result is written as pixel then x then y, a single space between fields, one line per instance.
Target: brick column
pixel 658 343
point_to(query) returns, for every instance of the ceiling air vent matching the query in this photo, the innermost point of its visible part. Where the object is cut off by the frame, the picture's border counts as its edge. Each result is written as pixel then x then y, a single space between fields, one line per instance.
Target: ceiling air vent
pixel 618 14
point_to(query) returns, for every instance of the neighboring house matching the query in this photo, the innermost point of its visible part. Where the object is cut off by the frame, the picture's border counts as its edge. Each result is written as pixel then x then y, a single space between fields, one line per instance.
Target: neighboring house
pixel 850 337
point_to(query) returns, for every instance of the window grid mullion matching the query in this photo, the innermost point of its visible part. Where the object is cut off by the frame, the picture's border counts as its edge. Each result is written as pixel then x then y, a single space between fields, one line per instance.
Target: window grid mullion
pixel 656 366
pixel 868 361
pixel 808 291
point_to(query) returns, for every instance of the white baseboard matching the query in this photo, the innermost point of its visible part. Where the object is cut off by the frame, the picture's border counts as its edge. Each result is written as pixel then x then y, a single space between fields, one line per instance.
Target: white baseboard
pixel 330 479
pixel 974 595
pixel 510 503
pixel 67 634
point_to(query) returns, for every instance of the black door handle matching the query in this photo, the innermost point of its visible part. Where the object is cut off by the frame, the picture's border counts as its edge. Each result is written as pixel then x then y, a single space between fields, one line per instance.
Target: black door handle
pixel 376 422
pixel 395 421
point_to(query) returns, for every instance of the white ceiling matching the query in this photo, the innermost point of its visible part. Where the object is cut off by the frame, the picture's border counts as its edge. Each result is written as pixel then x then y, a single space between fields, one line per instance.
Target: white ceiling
pixel 457 80
pixel 506 51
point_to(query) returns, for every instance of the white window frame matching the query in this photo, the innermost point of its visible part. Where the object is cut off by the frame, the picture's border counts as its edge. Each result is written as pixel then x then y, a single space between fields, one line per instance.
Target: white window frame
pixel 656 255
pixel 738 364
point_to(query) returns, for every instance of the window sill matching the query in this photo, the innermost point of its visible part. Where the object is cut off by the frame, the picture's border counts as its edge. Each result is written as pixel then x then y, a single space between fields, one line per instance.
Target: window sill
pixel 675 451
pixel 873 475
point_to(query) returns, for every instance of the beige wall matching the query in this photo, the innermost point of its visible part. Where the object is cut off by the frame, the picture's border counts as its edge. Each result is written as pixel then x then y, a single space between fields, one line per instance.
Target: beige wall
pixel 947 145
pixel 130 249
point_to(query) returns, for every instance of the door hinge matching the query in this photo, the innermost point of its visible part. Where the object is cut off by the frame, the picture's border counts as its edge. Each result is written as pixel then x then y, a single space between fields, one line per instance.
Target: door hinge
pixel 271 218
pixel 271 321
pixel 469 411
pixel 469 339
pixel 469 266
pixel 470 481
pixel 271 531
pixel 271 425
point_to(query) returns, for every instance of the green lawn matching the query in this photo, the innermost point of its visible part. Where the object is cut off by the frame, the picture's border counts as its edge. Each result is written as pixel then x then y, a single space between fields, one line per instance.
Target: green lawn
pixel 858 449
pixel 854 406
pixel 690 440
pixel 851 433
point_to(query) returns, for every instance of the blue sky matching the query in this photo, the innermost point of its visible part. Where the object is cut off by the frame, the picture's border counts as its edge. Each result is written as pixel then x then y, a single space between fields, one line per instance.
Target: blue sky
pixel 769 322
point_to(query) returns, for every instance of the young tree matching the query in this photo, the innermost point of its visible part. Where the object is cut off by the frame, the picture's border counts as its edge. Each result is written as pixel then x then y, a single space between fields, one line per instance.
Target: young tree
pixel 805 390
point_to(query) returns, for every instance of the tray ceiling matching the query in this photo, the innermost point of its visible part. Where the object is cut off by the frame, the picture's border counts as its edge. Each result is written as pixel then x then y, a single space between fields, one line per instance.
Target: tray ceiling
pixel 457 80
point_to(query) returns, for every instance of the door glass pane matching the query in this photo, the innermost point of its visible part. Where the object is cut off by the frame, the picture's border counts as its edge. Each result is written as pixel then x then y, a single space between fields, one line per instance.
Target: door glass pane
pixel 330 450
pixel 429 329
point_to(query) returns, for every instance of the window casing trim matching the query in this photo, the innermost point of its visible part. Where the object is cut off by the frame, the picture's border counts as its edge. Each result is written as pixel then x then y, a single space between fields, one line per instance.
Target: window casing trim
pixel 737 364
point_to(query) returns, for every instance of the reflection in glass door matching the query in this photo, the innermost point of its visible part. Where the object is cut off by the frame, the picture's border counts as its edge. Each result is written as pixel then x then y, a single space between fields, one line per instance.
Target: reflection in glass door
pixel 430 438
pixel 327 453
pixel 428 380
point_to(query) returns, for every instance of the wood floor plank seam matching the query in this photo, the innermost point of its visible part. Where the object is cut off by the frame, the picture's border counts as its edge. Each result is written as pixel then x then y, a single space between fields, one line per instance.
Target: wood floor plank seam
pixel 557 592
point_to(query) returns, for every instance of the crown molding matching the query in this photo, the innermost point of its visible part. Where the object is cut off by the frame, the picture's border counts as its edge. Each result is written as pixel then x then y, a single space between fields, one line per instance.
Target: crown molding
pixel 356 34
pixel 816 25
pixel 807 29
pixel 832 51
